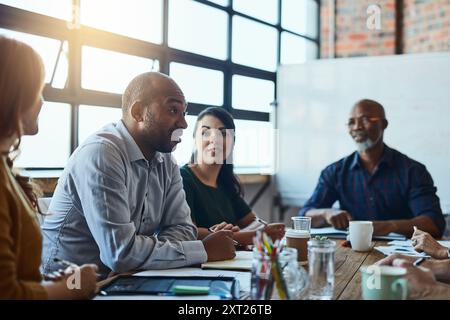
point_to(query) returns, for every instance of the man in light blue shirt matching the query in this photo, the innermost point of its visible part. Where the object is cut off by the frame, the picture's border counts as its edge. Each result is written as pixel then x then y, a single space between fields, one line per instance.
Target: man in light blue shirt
pixel 120 202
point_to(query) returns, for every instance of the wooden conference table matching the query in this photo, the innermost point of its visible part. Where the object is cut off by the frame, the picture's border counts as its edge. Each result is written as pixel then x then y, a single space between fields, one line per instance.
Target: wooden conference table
pixel 347 277
pixel 347 282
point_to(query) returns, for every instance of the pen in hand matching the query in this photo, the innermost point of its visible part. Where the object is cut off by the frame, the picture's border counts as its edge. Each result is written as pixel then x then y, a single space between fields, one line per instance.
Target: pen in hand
pixel 210 229
pixel 262 221
pixel 419 261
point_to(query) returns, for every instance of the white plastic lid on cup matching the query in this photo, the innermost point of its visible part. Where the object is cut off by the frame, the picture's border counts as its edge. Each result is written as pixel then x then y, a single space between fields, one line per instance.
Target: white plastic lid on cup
pixel 291 233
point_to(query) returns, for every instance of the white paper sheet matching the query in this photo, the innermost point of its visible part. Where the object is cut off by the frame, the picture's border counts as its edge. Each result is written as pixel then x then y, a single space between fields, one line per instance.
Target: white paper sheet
pixel 242 261
pixel 408 251
pixel 407 243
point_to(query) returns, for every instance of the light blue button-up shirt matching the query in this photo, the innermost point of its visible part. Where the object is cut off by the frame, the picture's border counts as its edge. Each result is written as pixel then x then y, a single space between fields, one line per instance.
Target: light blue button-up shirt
pixel 114 208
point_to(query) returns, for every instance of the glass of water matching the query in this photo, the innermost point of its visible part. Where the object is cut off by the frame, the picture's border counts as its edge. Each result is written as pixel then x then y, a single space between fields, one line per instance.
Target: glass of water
pixel 321 268
pixel 301 223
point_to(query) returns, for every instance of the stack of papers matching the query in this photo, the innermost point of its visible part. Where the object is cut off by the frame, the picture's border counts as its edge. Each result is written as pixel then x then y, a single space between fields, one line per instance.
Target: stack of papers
pixel 342 234
pixel 330 231
pixel 407 251
pixel 407 243
pixel 242 261
pixel 405 247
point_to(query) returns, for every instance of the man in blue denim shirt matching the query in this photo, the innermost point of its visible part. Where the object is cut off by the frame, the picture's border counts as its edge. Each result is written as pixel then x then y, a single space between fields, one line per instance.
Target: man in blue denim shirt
pixel 120 202
pixel 375 183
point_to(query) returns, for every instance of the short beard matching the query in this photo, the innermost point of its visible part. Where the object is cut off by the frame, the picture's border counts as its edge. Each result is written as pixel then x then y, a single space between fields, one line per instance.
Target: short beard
pixel 365 145
pixel 152 135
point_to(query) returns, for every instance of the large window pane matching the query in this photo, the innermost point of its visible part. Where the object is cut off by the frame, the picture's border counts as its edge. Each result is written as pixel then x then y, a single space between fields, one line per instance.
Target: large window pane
pixel 199 84
pixel 93 118
pixel 300 16
pixel 198 28
pixel 254 44
pixel 266 10
pixel 110 71
pixel 61 9
pixel 252 94
pixel 254 149
pixel 296 49
pixel 48 49
pixel 140 19
pixel 51 146
pixel 183 150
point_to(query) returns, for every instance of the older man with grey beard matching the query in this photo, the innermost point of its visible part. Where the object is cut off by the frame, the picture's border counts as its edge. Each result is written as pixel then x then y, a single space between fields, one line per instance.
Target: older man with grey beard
pixel 375 183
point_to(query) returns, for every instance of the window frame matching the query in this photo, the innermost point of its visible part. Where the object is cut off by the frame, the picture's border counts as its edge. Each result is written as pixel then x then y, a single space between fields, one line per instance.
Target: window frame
pixel 73 94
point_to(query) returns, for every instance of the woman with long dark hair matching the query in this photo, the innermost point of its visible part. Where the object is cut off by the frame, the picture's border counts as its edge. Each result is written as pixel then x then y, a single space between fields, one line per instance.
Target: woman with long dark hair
pixel 213 192
pixel 21 83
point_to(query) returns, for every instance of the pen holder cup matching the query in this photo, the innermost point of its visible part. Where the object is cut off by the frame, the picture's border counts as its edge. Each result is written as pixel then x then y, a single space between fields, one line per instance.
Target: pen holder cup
pixel 278 277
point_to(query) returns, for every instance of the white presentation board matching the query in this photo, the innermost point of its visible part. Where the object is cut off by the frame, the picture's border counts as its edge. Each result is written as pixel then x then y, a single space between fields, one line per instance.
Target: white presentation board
pixel 314 101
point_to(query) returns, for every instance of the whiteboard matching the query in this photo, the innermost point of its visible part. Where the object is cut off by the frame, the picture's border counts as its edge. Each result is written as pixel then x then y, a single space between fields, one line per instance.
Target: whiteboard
pixel 314 102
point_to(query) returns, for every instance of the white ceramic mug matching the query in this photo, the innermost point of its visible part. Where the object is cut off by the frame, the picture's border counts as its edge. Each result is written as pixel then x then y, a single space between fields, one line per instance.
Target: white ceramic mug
pixel 361 235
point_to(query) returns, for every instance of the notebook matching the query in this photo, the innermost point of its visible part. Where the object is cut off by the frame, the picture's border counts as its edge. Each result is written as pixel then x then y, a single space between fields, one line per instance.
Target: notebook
pixel 342 234
pixel 242 261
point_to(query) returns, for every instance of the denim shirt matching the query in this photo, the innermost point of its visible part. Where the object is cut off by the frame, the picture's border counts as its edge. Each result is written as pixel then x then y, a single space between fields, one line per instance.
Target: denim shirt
pixel 114 208
pixel 400 188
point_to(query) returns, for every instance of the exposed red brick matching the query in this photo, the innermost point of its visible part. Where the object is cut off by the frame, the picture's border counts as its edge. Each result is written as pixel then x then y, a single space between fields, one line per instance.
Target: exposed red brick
pixel 358 36
pixel 426 27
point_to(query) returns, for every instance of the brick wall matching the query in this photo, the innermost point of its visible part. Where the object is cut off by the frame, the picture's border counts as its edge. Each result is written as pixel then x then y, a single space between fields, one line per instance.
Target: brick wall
pixel 426 27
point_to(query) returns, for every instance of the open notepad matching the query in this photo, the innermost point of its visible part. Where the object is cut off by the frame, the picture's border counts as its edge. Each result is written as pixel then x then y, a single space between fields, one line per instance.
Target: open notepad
pixel 405 248
pixel 242 261
pixel 407 243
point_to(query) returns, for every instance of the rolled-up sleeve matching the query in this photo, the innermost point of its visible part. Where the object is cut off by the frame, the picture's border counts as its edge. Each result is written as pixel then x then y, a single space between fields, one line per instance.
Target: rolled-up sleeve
pixel 422 196
pixel 325 194
pixel 177 223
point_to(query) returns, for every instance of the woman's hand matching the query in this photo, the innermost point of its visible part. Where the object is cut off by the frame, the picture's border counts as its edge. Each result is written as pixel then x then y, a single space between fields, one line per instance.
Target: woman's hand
pixel 55 275
pixel 82 281
pixel 424 242
pixel 73 283
pixel 275 230
pixel 422 283
pixel 225 226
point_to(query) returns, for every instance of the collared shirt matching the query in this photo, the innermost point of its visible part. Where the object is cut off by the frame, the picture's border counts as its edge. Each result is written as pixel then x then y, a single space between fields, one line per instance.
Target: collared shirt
pixel 114 208
pixel 399 188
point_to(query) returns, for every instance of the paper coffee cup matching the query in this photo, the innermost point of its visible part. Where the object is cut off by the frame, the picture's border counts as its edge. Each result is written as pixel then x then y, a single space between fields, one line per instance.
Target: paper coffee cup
pixel 298 239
